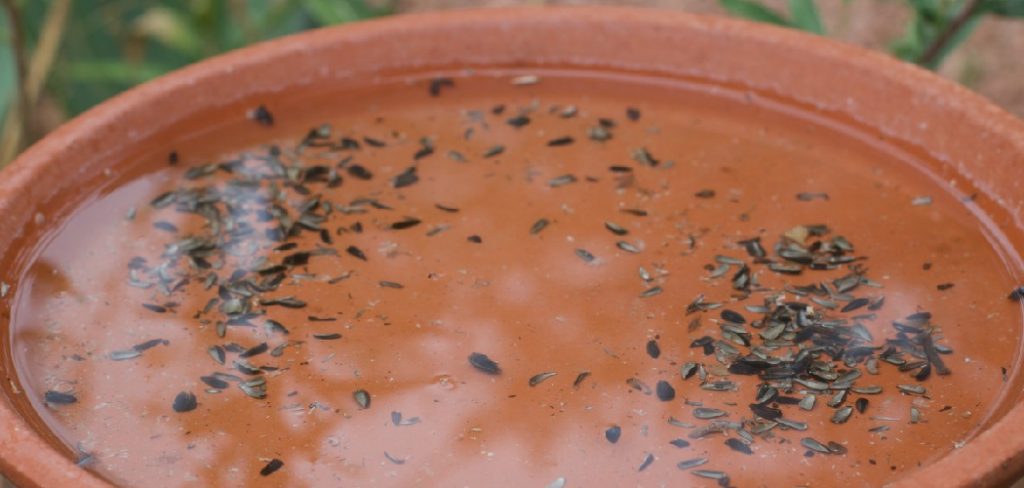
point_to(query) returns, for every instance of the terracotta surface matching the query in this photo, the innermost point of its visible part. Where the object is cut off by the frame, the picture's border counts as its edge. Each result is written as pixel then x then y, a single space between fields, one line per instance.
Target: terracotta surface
pixel 857 123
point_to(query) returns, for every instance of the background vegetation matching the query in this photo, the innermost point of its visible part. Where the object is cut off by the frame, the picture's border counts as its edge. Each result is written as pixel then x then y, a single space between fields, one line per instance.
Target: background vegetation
pixel 60 57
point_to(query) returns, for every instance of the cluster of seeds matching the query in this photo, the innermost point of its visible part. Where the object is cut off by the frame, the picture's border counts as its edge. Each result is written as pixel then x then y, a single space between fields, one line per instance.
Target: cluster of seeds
pixel 806 342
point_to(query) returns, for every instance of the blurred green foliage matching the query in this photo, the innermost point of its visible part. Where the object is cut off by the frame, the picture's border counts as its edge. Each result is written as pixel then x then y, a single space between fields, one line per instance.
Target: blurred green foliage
pixel 112 45
pixel 935 29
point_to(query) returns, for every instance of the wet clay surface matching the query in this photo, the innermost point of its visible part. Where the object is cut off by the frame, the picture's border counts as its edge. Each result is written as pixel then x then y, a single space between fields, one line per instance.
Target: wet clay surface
pixel 478 274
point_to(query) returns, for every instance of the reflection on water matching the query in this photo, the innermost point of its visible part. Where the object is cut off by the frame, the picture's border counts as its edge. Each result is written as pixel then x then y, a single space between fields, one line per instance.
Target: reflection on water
pixel 527 300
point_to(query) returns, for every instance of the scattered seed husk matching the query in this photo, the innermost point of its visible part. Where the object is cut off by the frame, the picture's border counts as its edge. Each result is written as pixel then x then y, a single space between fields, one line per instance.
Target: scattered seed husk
pixel 541 377
pixel 814 445
pixel 665 391
pixel 271 467
pixel 648 459
pixel 538 226
pixel 483 363
pixel 738 446
pixel 653 350
pixel 708 413
pixel 557 483
pixel 580 378
pixel 362 398
pixel 613 433
pixel 691 463
pixel 710 474
pixel 184 402
pixel 842 415
pixel 53 397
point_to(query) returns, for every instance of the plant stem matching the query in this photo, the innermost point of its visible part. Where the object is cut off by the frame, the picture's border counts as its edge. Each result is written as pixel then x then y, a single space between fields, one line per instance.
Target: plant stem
pixel 21 65
pixel 939 43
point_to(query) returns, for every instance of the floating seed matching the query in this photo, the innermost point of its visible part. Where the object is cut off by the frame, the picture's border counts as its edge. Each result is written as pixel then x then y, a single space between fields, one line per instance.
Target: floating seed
pixel 665 391
pixel 646 462
pixel 494 151
pixel 405 178
pixel 332 336
pixel 836 448
pixel 262 116
pixel 653 350
pixel 791 424
pixel 625 246
pixel 561 141
pixel 921 201
pixel 538 226
pixel 124 355
pixel 738 446
pixel 855 304
pixel 599 133
pixel 484 363
pixel 1017 293
pixel 688 370
pixel 691 463
pixel 615 228
pixel 59 398
pixel 561 181
pixel 255 350
pixel 154 307
pixel 734 317
pixel 710 474
pixel 580 378
pixel 705 193
pixel 814 445
pixel 842 415
pixel 518 122
pixel 680 443
pixel 911 389
pixel 217 353
pixel 390 284
pixel 540 377
pixel 214 382
pixel 362 398
pixel 585 255
pixel 271 467
pixel 256 388
pixel 807 402
pixel 638 385
pixel 184 402
pixel 810 196
pixel 723 385
pixel 613 434
pixel 705 413
pixel 650 292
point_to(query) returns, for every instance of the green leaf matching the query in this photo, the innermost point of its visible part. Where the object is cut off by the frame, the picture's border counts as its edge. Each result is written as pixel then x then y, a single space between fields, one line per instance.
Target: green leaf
pixel 113 71
pixel 172 29
pixel 8 81
pixel 1006 8
pixel 328 12
pixel 805 16
pixel 749 9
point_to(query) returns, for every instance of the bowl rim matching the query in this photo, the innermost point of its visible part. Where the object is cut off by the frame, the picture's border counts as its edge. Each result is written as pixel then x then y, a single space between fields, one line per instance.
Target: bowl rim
pixel 995 455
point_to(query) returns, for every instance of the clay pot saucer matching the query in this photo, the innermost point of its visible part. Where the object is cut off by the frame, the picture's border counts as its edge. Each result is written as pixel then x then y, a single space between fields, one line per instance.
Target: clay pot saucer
pixel 786 129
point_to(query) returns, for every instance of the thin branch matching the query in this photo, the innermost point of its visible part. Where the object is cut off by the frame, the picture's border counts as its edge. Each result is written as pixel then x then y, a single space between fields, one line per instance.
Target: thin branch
pixel 938 45
pixel 32 80
pixel 21 65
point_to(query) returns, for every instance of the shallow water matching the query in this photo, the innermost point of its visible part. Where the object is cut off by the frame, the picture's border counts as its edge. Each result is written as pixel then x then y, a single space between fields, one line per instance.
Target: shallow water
pixel 526 300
